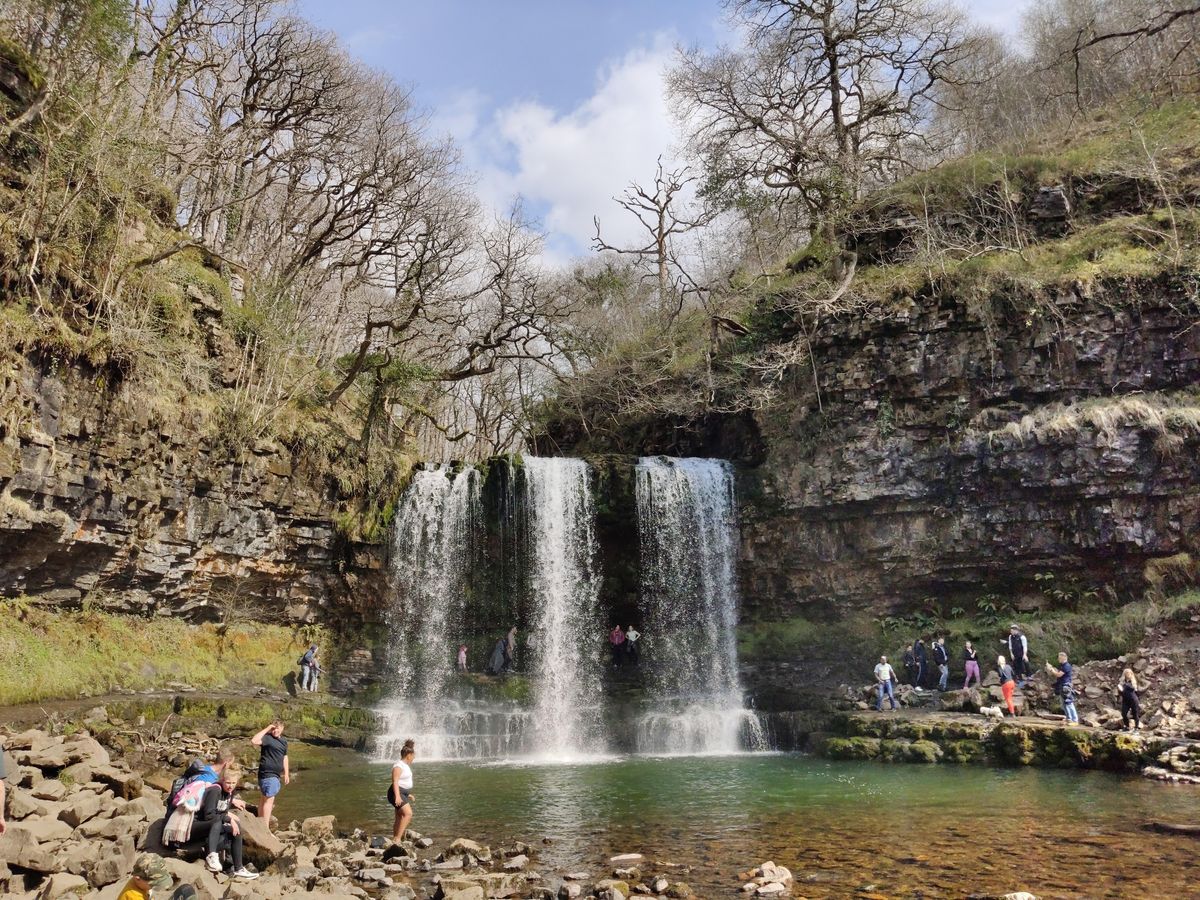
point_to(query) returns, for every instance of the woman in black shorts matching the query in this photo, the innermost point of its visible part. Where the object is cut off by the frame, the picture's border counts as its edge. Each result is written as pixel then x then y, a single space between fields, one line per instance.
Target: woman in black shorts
pixel 400 791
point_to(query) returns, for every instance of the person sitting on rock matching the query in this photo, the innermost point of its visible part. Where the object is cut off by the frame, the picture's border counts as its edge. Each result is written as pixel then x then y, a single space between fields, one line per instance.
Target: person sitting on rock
pixel 1064 686
pixel 971 665
pixel 212 774
pixel 883 680
pixel 216 823
pixel 273 770
pixel 1008 683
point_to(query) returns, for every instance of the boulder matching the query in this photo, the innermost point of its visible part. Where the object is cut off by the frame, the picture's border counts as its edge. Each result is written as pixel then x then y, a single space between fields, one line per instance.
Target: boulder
pixel 570 890
pixel 111 829
pixel 114 863
pixel 318 827
pixel 45 829
pixel 76 773
pixel 63 884
pixel 20 847
pixel 261 847
pixel 462 846
pixel 29 740
pixel 625 858
pixel 771 889
pixel 194 873
pixel 126 785
pixel 50 789
pixel 516 863
pixel 78 857
pixel 53 757
pixel 86 750
pixel 84 805
pixel 474 892
pixel 20 803
pixel 145 808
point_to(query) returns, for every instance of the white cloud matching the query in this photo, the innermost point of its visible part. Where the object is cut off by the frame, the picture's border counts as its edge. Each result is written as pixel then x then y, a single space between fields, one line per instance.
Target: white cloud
pixel 569 165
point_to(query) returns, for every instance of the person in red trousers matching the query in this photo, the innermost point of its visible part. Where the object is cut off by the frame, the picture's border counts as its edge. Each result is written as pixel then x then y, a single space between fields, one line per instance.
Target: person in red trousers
pixel 1008 683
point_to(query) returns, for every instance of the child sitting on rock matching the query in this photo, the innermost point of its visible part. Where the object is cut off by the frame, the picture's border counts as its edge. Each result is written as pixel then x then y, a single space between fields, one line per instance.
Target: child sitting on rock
pixel 216 823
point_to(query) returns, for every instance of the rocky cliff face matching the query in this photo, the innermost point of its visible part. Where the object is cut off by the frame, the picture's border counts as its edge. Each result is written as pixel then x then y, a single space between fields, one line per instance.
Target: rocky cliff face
pixel 951 448
pixel 957 450
pixel 105 496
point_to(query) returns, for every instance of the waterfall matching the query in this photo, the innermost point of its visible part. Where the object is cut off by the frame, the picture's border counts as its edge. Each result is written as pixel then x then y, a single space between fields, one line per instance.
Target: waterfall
pixel 566 631
pixel 434 544
pixel 687 524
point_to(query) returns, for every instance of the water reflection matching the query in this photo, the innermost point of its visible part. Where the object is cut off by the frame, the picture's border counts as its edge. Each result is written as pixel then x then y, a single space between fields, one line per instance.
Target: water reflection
pixel 945 831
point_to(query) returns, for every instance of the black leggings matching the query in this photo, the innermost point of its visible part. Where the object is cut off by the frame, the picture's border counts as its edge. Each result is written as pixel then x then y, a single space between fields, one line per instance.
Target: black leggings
pixel 220 836
pixel 1131 705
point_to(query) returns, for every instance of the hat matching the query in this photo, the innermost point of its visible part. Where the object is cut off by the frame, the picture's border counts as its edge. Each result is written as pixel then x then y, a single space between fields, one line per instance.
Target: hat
pixel 152 870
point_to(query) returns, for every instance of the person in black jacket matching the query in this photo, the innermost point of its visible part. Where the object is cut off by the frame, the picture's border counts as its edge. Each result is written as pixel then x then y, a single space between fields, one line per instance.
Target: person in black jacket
pixel 910 665
pixel 216 822
pixel 942 660
pixel 922 661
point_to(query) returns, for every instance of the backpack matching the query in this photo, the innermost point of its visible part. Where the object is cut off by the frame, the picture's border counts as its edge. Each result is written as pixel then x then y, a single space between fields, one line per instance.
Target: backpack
pixel 190 796
pixel 195 768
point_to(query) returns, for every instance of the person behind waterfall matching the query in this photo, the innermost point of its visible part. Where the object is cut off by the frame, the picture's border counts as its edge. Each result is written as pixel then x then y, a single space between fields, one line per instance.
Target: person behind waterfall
pixel 884 675
pixel 1131 704
pixel 922 662
pixel 971 665
pixel 462 658
pixel 616 641
pixel 273 770
pixel 942 660
pixel 495 664
pixel 1008 683
pixel 631 639
pixel 510 649
pixel 1064 686
pixel 399 793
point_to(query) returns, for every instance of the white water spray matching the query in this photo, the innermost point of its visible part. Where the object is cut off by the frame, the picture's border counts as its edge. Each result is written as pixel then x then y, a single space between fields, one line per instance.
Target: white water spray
pixel 687 524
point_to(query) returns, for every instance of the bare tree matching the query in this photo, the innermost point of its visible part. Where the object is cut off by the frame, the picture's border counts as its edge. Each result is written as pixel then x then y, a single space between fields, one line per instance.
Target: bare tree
pixel 660 212
pixel 825 98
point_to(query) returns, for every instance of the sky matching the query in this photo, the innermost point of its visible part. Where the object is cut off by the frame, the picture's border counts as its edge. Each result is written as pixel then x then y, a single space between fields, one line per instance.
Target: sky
pixel 558 102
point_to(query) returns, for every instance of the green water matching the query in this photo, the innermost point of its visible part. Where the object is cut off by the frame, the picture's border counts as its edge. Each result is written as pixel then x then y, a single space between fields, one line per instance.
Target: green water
pixel 841 827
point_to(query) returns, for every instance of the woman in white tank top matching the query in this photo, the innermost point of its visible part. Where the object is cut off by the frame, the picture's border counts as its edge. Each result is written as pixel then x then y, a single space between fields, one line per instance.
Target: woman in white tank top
pixel 400 790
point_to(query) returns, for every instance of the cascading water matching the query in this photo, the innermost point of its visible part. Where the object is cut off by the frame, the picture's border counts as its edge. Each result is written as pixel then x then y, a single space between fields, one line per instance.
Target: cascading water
pixel 564 592
pixel 687 521
pixel 434 545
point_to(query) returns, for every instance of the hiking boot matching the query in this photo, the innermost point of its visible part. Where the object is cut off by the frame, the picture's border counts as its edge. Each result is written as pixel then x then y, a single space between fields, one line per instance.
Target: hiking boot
pixel 213 862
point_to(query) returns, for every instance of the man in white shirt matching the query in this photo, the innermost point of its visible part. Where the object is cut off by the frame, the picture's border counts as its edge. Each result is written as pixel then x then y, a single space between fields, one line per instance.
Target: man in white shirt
pixel 883 680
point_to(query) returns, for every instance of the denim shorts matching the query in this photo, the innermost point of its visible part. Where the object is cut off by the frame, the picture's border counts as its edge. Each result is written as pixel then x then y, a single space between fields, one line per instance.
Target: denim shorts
pixel 269 785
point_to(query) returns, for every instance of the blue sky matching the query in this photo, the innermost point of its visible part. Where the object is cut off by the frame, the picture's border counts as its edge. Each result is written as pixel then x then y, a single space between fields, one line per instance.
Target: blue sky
pixel 558 101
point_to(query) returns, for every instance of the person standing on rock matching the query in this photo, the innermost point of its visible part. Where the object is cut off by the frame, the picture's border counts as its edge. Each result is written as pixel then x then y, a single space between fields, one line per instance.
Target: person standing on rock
pixel 616 640
pixel 3 776
pixel 971 665
pixel 1008 683
pixel 922 662
pixel 910 665
pixel 216 822
pixel 273 770
pixel 1018 652
pixel 308 669
pixel 399 792
pixel 462 658
pixel 631 639
pixel 1064 686
pixel 883 682
pixel 942 659
pixel 1131 704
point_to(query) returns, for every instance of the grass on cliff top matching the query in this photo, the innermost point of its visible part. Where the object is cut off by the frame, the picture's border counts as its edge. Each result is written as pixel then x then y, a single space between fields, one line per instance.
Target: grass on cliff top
pixel 59 655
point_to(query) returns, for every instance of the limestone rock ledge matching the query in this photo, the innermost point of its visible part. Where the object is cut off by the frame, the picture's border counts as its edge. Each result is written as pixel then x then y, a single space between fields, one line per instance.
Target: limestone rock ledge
pixel 107 497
